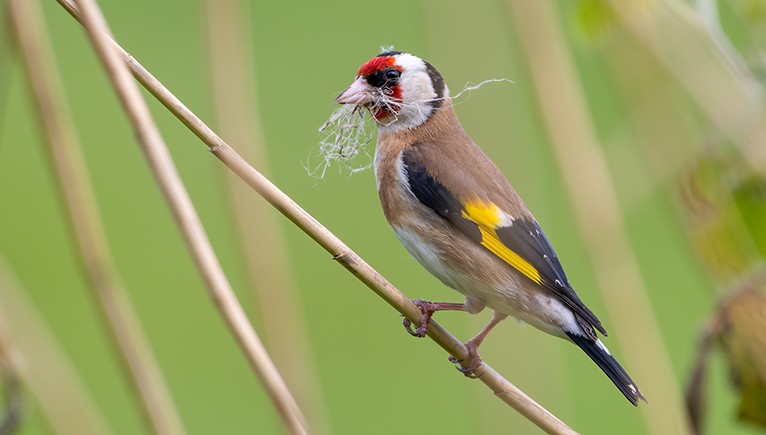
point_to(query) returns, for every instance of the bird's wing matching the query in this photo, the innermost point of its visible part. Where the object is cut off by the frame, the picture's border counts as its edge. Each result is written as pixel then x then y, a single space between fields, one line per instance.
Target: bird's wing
pixel 520 242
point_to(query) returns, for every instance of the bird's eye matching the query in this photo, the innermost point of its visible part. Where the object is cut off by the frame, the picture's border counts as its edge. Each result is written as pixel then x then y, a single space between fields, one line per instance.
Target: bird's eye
pixel 385 79
pixel 392 74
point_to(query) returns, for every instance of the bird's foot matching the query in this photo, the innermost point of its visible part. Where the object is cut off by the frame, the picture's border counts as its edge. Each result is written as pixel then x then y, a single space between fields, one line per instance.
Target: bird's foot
pixel 474 360
pixel 427 309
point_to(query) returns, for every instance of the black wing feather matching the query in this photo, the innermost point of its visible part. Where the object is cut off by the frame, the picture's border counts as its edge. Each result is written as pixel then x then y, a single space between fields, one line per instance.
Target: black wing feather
pixel 529 241
pixel 434 195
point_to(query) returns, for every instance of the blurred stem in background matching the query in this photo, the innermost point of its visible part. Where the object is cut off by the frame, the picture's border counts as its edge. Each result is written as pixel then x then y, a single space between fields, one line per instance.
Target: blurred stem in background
pixel 657 120
pixel 259 234
pixel 161 163
pixel 729 96
pixel 722 191
pixel 598 214
pixel 47 372
pixel 65 152
pixel 723 203
pixel 10 363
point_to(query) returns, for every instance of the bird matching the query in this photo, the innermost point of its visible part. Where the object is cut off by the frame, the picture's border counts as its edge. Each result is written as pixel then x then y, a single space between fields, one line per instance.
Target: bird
pixel 460 218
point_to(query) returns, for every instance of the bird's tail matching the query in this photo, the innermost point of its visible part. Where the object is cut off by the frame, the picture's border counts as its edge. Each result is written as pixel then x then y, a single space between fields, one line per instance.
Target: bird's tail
pixel 604 359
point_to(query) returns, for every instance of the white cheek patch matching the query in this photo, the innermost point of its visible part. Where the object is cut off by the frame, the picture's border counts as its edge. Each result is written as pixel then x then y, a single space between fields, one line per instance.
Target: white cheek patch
pixel 417 94
pixel 417 87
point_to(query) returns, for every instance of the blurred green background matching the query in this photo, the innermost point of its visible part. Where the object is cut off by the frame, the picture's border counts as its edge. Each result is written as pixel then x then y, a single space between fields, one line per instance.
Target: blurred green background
pixel 372 377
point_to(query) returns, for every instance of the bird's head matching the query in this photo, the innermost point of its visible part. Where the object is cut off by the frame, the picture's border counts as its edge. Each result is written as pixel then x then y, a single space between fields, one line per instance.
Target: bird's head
pixel 401 90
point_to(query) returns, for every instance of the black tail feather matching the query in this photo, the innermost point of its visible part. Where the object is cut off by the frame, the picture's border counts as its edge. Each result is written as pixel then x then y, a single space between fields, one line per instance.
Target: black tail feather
pixel 610 366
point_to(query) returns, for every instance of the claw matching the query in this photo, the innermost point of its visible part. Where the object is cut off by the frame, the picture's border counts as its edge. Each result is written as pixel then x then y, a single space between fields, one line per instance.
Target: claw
pixel 475 361
pixel 420 332
pixel 427 310
pixel 468 372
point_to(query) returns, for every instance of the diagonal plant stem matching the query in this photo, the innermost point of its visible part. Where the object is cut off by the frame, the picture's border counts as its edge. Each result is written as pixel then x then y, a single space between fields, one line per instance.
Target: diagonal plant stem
pixel 46 371
pixel 10 373
pixel 678 38
pixel 64 147
pixel 281 319
pixel 503 389
pixel 187 219
pixel 598 213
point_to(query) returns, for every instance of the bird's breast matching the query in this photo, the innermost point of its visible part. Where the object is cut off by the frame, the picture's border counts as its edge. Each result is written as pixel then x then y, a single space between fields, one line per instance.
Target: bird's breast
pixel 393 187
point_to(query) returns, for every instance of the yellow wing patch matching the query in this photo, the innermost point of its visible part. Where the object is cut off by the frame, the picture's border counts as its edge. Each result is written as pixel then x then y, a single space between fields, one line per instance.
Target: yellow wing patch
pixel 487 216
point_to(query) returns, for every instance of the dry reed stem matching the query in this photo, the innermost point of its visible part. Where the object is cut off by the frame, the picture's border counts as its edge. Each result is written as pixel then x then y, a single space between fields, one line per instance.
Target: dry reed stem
pixel 162 166
pixel 280 316
pixel 45 369
pixel 598 214
pixel 656 121
pixel 679 39
pixel 10 361
pixel 506 391
pixel 137 357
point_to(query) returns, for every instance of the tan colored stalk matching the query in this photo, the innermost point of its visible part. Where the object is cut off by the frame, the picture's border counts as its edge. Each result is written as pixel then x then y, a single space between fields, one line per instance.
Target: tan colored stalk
pixel 587 178
pixel 45 369
pixel 142 368
pixel 10 373
pixel 672 31
pixel 186 217
pixel 260 235
pixel 657 121
pixel 503 389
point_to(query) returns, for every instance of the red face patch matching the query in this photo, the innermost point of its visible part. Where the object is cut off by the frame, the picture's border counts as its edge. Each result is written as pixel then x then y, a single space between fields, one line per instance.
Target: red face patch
pixel 376 67
pixel 376 64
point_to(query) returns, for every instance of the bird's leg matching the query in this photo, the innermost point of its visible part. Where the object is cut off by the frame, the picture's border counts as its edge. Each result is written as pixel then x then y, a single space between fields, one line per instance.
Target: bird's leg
pixel 428 309
pixel 473 346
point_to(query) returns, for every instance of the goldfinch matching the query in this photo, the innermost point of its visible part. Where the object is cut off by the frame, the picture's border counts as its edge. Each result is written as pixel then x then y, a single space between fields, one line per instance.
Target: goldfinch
pixel 457 214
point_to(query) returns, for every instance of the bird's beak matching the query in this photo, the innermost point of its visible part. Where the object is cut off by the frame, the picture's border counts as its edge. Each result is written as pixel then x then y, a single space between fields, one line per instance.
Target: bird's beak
pixel 360 92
